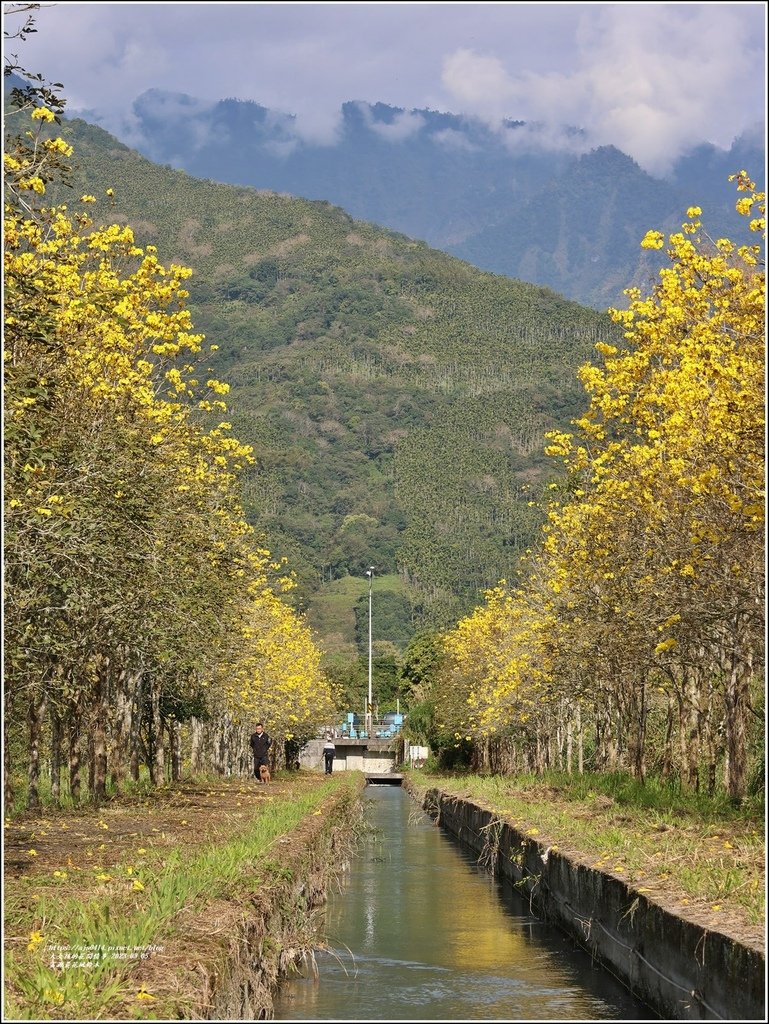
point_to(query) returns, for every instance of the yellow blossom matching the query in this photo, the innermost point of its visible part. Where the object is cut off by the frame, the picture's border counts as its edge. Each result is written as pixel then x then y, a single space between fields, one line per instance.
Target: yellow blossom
pixel 653 240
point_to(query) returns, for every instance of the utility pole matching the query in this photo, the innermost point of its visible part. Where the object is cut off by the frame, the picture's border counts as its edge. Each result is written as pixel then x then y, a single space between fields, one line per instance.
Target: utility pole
pixel 370 705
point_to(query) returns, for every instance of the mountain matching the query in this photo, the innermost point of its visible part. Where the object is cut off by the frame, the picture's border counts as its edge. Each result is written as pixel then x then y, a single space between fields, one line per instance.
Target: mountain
pixel 577 234
pixel 581 233
pixel 517 200
pixel 430 175
pixel 396 397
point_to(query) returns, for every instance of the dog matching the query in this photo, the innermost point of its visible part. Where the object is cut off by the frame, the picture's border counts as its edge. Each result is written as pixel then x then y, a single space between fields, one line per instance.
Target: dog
pixel 264 773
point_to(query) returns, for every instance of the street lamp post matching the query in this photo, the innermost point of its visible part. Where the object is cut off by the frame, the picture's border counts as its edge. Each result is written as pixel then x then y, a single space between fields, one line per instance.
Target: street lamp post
pixel 370 705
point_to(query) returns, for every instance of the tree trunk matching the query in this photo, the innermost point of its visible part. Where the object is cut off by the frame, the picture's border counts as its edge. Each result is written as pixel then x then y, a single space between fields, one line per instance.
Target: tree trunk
pixel 224 745
pixel 74 755
pixel 569 744
pixel 736 699
pixel 690 729
pixel 637 730
pixel 7 782
pixel 89 748
pixel 606 746
pixel 666 767
pixel 35 722
pixel 174 730
pixel 196 742
pixel 135 723
pixel 121 730
pixel 56 754
pixel 541 749
pixel 157 753
pixel 99 734
pixel 217 747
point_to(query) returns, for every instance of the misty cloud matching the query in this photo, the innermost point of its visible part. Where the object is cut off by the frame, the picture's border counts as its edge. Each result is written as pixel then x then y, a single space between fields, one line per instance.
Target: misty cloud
pixel 169 106
pixel 403 126
pixel 282 149
pixel 185 116
pixel 318 127
pixel 652 80
pixel 452 139
pixel 533 137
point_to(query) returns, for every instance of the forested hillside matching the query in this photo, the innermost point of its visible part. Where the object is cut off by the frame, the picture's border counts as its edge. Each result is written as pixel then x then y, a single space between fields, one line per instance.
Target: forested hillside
pixel 520 199
pixel 396 397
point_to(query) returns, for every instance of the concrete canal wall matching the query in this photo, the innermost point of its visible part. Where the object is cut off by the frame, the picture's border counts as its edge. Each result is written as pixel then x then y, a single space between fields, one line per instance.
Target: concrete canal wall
pixel 679 968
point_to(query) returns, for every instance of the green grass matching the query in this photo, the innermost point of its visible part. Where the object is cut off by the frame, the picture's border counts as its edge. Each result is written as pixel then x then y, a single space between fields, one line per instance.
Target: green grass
pixel 665 797
pixel 688 847
pixel 82 911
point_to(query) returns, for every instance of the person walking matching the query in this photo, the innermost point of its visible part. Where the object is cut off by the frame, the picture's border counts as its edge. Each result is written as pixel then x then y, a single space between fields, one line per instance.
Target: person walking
pixel 260 745
pixel 329 749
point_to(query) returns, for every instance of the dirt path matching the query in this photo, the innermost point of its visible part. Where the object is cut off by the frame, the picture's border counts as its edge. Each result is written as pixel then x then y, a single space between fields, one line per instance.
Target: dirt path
pixel 189 814
pixel 123 883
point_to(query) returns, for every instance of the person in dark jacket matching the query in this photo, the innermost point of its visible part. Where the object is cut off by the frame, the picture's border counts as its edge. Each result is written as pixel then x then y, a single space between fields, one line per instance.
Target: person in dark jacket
pixel 260 744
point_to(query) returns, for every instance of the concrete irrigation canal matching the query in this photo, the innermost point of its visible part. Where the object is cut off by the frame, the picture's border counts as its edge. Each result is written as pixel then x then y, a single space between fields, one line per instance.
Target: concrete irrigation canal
pixel 419 928
pixel 420 931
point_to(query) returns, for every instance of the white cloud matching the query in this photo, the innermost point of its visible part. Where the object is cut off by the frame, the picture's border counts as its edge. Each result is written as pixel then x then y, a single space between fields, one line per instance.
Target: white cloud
pixel 652 80
pixel 282 149
pixel 403 126
pixel 452 139
pixel 480 83
pixel 318 127
pixel 534 137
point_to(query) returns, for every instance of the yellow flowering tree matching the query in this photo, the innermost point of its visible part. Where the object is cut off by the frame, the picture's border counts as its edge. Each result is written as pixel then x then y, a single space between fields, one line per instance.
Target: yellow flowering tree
pixel 647 593
pixel 672 446
pixel 129 565
pixel 279 680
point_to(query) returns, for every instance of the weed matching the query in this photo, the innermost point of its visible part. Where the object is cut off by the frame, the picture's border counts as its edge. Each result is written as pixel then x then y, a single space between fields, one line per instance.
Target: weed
pixel 492 836
pixel 127 918
pixel 704 846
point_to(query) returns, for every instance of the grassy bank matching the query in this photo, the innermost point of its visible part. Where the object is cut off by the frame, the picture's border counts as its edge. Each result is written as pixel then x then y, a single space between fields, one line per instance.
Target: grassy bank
pixel 702 856
pixel 92 897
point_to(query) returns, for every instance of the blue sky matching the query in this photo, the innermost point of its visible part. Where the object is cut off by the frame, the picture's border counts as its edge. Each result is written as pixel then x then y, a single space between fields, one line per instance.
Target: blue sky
pixel 652 79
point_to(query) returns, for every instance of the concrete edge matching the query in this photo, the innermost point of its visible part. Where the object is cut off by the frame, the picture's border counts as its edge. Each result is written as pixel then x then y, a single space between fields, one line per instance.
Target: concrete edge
pixel 679 968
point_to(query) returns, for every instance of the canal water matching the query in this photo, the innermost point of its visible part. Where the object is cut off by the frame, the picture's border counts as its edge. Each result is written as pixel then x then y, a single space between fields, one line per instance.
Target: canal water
pixel 420 932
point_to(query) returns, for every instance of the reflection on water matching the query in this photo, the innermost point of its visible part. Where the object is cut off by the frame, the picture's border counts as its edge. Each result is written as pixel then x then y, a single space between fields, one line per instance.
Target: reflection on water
pixel 420 933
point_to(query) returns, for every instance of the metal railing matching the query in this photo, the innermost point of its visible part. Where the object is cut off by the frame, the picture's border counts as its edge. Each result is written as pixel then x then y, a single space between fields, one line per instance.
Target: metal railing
pixel 382 728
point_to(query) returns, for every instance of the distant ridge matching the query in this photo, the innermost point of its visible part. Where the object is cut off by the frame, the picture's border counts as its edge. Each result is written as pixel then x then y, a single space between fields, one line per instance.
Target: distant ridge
pixel 488 196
